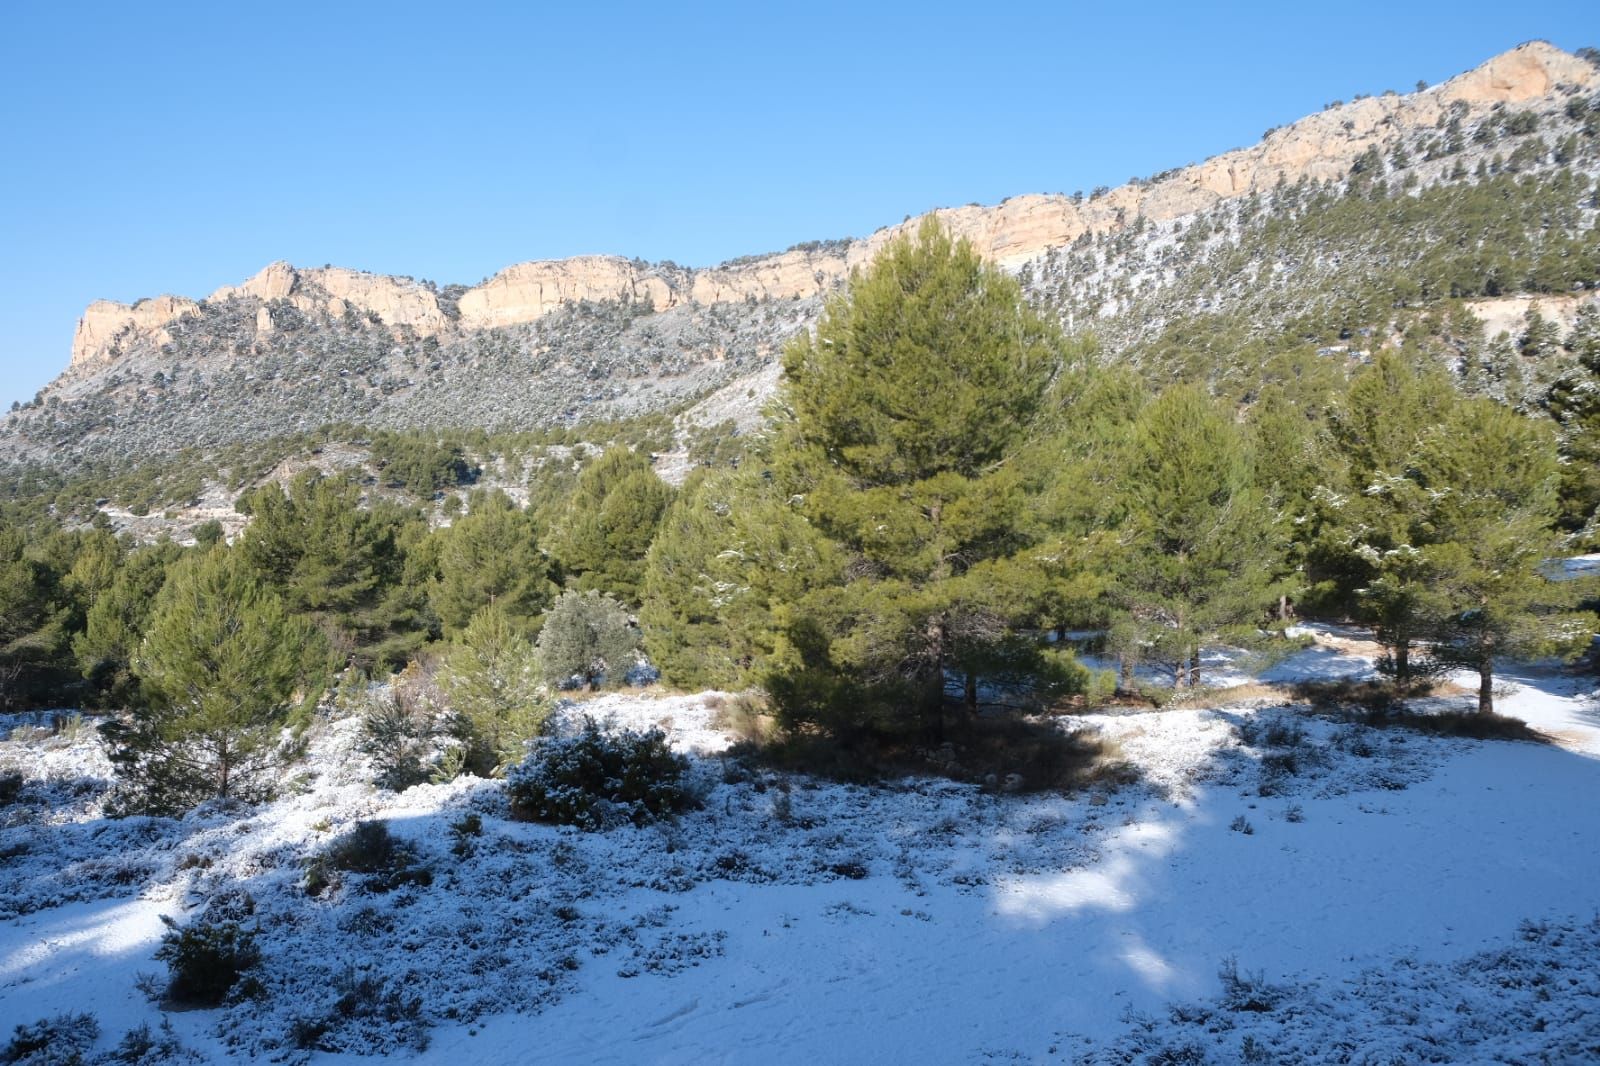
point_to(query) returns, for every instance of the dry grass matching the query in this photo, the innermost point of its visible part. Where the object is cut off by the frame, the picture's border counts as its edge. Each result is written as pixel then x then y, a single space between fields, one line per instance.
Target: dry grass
pixel 1232 695
pixel 1376 695
pixel 1456 724
pixel 746 715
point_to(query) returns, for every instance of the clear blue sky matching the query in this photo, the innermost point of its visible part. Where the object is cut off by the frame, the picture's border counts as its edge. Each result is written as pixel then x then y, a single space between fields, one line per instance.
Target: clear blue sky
pixel 154 148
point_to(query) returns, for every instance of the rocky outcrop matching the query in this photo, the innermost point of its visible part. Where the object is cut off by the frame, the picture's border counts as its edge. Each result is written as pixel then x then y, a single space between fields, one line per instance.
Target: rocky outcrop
pixel 1508 314
pixel 1321 147
pixel 528 291
pixel 105 323
pixel 335 290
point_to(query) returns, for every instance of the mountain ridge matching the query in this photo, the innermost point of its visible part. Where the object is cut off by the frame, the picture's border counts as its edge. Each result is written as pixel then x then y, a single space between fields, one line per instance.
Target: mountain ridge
pixel 1320 147
pixel 1506 154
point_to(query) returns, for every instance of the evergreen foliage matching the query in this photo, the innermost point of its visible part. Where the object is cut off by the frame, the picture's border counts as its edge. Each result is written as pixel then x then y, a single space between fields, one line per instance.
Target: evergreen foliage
pixel 596 779
pixel 421 465
pixel 205 961
pixel 492 679
pixel 221 665
pixel 339 563
pixel 608 522
pixel 1372 553
pixel 491 556
pixel 730 555
pixel 1200 552
pixel 905 414
pixel 116 622
pixel 35 618
pixel 1487 481
pixel 588 638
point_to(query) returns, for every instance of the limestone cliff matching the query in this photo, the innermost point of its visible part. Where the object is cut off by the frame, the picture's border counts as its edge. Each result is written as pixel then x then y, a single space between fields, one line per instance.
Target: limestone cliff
pixel 1320 147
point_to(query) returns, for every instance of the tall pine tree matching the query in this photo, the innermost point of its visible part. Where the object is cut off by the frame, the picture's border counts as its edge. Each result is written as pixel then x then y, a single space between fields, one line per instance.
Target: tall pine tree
pixel 906 412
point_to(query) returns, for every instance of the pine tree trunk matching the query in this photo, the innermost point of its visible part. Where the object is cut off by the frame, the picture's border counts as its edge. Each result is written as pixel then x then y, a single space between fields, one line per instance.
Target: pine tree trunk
pixel 1402 660
pixel 223 767
pixel 1125 672
pixel 1486 684
pixel 1194 667
pixel 933 704
pixel 971 694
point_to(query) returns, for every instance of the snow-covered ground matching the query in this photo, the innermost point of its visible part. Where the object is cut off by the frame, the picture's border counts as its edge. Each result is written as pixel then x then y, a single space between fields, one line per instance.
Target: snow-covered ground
pixel 1376 895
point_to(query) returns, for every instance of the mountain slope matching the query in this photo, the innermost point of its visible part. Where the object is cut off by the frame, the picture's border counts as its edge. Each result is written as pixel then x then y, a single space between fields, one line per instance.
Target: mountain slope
pixel 1254 242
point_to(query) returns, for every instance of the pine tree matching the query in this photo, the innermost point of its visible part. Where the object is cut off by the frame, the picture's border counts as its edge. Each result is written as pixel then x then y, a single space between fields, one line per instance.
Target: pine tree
pixel 492 680
pixel 490 556
pixel 1374 539
pixel 35 618
pixel 906 411
pixel 116 620
pixel 222 664
pixel 1201 550
pixel 1574 402
pixel 587 636
pixel 730 553
pixel 608 522
pixel 338 561
pixel 1487 481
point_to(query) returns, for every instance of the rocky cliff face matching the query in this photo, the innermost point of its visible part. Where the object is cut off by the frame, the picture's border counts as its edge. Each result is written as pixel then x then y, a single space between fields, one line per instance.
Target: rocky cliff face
pixel 1321 147
pixel 1202 262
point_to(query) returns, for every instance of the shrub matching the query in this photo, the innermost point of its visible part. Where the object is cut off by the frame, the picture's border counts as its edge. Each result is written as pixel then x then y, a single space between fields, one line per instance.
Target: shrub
pixel 595 779
pixel 400 731
pixel 492 679
pixel 370 1015
pixel 63 1039
pixel 367 849
pixel 205 960
pixel 1246 991
pixel 587 638
pixel 139 1046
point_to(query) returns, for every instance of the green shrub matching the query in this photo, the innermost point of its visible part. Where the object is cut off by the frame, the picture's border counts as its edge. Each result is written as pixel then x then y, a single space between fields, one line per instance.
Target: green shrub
pixel 596 779
pixel 205 960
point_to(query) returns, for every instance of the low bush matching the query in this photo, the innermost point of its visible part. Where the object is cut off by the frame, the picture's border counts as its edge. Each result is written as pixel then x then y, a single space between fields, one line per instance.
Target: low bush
pixel 746 715
pixel 64 1039
pixel 1455 724
pixel 596 779
pixel 206 960
pixel 400 732
pixel 370 1016
pixel 368 849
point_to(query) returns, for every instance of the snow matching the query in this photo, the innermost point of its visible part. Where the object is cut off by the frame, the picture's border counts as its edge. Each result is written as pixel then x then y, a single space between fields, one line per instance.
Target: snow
pixel 1401 897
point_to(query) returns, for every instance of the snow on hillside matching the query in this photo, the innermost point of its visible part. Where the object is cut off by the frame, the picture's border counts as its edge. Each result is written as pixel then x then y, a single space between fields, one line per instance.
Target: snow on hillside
pixel 1277 886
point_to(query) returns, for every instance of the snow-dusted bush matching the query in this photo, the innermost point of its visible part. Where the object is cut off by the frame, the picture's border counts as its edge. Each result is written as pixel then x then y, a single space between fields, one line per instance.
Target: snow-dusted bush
pixel 596 779
pixel 403 730
pixel 63 1039
pixel 369 848
pixel 205 960
pixel 587 639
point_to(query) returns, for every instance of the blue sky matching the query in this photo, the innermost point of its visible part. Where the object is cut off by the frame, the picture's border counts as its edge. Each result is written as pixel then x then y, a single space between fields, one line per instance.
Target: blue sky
pixel 179 147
